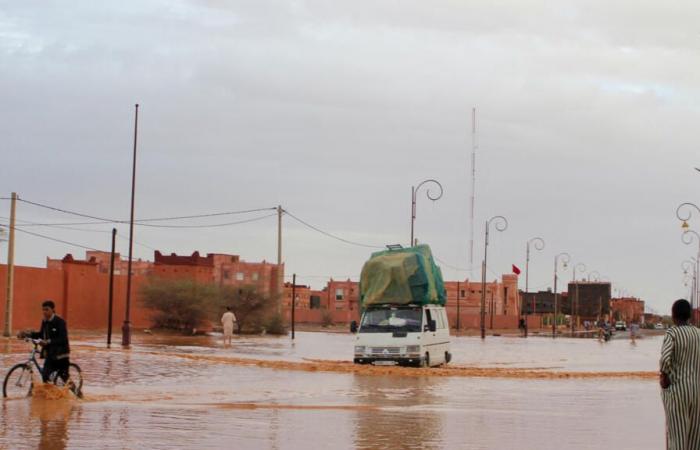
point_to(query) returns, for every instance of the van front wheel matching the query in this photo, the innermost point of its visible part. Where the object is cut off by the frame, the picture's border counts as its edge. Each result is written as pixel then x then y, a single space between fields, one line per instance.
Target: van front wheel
pixel 426 360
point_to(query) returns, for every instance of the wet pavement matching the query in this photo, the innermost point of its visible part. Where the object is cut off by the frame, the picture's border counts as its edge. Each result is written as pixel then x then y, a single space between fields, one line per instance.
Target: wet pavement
pixel 183 392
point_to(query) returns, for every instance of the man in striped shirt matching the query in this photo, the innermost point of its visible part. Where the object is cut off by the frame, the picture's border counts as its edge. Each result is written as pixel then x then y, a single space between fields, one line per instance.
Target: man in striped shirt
pixel 679 379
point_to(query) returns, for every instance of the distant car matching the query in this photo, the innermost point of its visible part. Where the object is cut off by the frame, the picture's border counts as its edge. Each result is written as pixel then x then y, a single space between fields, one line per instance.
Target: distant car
pixel 659 326
pixel 620 325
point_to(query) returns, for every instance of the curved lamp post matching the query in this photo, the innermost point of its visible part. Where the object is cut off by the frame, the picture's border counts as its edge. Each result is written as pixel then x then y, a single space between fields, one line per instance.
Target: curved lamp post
pixel 501 224
pixel 685 211
pixel 581 267
pixel 414 195
pixel 595 277
pixel 688 237
pixel 690 265
pixel 565 259
pixel 538 244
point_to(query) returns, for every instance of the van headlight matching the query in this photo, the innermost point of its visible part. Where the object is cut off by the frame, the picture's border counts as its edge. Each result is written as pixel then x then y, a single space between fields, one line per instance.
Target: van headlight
pixel 359 349
pixel 413 349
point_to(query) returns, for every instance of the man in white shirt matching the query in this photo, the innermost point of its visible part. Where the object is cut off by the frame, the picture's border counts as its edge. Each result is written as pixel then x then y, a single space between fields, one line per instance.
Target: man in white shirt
pixel 228 320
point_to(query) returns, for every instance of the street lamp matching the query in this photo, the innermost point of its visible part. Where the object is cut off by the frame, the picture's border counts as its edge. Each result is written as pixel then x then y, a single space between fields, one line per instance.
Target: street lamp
pixel 414 195
pixel 687 265
pixel 685 217
pixel 595 277
pixel 538 243
pixel 501 224
pixel 574 317
pixel 687 237
pixel 565 258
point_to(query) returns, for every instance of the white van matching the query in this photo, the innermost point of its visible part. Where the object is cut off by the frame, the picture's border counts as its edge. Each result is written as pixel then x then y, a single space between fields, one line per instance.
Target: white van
pixel 403 334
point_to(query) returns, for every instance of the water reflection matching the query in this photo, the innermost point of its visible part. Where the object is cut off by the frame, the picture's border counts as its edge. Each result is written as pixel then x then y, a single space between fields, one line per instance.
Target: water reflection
pixel 409 417
pixel 53 417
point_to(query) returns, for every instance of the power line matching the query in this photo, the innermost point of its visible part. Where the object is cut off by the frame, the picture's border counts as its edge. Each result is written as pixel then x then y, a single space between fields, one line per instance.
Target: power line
pixel 65 211
pixel 55 239
pixel 215 225
pixel 359 244
pixel 142 222
pixel 217 214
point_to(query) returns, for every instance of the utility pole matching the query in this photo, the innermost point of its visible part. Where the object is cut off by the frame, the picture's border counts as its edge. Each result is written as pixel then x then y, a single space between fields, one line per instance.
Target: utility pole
pixel 7 332
pixel 111 288
pixel 473 198
pixel 126 327
pixel 280 274
pixel 294 293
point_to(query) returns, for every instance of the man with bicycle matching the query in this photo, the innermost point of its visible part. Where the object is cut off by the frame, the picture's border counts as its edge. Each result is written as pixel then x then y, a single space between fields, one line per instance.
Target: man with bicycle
pixel 54 341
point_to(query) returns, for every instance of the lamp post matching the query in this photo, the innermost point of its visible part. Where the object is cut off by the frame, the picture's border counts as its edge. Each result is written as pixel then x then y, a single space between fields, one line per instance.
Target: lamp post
pixel 684 213
pixel 565 258
pixel 687 265
pixel 574 308
pixel 595 277
pixel 538 243
pixel 414 195
pixel 687 237
pixel 501 224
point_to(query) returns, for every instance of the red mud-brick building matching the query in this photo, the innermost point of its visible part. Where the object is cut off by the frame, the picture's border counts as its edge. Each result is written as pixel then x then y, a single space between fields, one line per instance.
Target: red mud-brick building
pixel 629 309
pixel 80 288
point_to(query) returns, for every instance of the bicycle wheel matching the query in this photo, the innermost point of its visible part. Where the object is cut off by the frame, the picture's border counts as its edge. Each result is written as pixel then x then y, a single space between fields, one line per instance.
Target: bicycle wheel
pixel 18 382
pixel 74 381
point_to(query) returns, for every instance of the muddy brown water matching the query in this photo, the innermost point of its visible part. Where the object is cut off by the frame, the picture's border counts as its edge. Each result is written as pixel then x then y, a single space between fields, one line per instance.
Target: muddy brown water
pixel 266 392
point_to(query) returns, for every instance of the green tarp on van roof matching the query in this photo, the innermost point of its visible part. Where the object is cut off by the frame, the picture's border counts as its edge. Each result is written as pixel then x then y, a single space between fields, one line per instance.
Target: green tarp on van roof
pixel 403 276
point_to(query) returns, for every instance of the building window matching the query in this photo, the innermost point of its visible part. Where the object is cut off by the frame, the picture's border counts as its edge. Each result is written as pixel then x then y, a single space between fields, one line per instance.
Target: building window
pixel 227 275
pixel 315 302
pixel 255 276
pixel 240 276
pixel 462 293
pixel 339 293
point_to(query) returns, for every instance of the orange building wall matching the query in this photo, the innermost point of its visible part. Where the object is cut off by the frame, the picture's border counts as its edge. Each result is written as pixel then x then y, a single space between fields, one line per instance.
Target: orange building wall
pixel 86 291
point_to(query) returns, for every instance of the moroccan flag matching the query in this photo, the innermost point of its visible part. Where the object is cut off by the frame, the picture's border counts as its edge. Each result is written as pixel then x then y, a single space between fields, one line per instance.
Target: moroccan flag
pixel 516 270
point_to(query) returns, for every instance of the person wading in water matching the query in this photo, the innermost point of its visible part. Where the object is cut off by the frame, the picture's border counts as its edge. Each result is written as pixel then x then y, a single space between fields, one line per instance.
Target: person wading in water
pixel 679 380
pixel 227 321
pixel 54 341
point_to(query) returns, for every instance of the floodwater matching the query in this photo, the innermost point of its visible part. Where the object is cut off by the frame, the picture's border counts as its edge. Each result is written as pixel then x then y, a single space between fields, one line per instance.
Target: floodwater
pixel 269 393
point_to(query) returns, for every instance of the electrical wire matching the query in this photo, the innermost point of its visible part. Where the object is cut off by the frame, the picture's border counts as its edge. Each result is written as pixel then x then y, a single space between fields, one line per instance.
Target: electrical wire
pixel 73 244
pixel 347 241
pixel 144 222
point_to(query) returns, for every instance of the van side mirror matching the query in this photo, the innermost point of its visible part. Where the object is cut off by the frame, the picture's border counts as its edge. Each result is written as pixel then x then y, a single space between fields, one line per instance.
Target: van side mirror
pixel 353 326
pixel 432 326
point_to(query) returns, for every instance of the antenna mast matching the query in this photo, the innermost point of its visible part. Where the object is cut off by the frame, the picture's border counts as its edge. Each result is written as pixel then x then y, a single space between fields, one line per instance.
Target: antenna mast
pixel 471 215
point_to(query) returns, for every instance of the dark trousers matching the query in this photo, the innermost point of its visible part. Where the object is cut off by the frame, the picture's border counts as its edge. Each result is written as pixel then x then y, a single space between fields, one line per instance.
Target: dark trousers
pixel 55 365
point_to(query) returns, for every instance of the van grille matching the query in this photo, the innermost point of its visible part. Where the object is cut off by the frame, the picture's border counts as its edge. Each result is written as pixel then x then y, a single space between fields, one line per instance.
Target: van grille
pixel 385 350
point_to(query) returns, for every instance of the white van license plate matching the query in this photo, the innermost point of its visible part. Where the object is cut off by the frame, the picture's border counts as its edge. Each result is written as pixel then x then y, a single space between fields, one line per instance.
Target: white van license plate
pixel 384 363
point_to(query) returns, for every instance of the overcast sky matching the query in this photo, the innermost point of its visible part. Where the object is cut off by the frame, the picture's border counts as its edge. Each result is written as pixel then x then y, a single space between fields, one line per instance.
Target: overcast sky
pixel 587 126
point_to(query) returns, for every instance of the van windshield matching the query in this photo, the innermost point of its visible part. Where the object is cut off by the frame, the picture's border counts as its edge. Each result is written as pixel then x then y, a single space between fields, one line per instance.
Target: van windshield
pixel 390 320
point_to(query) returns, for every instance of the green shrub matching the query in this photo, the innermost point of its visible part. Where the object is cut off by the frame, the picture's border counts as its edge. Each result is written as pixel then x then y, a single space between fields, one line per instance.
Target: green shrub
pixel 178 304
pixel 275 324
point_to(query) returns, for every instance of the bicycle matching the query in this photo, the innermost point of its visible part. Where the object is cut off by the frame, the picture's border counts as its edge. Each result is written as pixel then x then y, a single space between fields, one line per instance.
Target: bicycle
pixel 19 381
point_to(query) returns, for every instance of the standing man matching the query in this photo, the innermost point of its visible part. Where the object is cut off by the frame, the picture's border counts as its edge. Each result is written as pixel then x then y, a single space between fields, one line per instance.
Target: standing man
pixel 54 341
pixel 679 379
pixel 228 320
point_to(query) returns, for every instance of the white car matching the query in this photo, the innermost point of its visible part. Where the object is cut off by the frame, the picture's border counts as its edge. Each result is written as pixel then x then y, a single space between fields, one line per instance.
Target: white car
pixel 403 334
pixel 659 326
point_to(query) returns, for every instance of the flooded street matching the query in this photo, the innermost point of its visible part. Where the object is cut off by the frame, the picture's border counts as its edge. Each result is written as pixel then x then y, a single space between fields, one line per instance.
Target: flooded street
pixel 266 392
